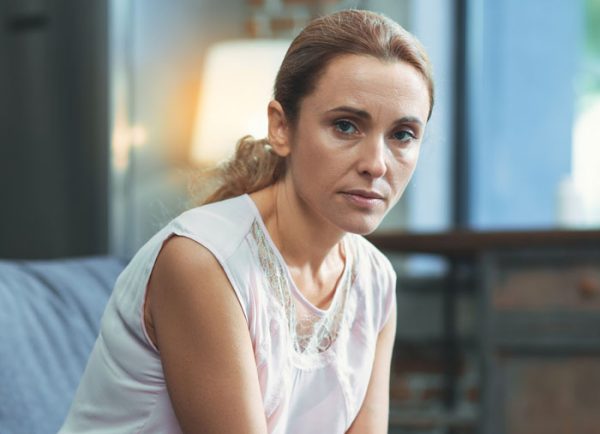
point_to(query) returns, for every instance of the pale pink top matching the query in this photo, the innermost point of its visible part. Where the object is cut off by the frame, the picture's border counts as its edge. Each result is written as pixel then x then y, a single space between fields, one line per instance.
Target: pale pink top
pixel 313 365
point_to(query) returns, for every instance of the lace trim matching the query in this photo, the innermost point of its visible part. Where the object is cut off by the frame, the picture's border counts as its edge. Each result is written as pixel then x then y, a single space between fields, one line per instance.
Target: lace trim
pixel 310 334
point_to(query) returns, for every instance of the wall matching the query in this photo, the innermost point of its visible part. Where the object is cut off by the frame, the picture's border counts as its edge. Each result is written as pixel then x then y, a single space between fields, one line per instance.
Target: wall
pixel 157 54
pixel 53 128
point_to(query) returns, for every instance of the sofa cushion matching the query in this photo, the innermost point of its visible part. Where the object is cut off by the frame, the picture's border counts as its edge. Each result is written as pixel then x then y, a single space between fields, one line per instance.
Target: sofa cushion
pixel 49 317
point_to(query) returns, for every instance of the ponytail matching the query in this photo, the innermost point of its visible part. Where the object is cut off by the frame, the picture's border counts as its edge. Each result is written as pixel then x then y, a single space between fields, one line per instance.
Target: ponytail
pixel 253 167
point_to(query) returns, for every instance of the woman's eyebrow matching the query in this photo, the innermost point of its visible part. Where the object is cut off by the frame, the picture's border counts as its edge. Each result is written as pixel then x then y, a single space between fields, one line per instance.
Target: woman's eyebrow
pixel 347 109
pixel 365 115
pixel 409 119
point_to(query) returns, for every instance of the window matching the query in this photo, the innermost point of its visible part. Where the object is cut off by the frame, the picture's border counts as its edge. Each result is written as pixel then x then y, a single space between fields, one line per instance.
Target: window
pixel 532 88
pixel 586 128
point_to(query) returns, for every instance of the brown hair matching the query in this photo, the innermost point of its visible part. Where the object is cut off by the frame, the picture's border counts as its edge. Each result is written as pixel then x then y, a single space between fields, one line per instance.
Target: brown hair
pixel 359 32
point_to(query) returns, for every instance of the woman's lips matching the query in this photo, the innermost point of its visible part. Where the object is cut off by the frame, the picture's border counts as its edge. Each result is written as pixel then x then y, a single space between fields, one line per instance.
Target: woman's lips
pixel 364 198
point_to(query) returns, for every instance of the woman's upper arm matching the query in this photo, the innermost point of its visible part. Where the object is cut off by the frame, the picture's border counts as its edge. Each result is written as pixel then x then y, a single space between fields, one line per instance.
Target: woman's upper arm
pixel 374 413
pixel 204 343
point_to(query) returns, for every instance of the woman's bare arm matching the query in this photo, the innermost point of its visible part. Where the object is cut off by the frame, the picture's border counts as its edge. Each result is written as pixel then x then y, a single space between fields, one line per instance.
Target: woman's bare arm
pixel 204 343
pixel 374 413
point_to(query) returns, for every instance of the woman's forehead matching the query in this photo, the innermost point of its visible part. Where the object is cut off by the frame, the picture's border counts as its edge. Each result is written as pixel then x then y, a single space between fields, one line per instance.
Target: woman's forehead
pixel 370 84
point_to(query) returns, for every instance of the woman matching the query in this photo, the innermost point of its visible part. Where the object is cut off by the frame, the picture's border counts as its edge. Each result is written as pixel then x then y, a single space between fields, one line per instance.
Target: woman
pixel 264 310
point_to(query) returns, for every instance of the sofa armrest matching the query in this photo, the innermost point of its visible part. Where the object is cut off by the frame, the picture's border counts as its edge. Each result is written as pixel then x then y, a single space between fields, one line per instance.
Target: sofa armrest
pixel 49 318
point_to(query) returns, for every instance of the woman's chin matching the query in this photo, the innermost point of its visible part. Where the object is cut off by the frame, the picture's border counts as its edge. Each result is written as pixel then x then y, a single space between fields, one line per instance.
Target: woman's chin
pixel 362 226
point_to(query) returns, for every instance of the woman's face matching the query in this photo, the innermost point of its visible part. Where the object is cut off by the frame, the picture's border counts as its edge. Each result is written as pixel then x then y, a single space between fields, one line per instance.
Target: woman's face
pixel 356 141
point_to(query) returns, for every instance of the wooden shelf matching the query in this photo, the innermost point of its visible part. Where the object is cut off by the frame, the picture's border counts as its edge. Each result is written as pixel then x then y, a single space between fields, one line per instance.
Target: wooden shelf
pixel 471 243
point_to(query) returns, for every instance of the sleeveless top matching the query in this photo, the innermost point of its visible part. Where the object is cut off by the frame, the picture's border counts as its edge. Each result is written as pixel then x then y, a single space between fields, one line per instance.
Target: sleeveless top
pixel 313 365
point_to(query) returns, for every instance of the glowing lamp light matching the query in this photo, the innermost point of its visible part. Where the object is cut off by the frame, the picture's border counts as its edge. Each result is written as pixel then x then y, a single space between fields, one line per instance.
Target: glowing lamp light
pixel 237 85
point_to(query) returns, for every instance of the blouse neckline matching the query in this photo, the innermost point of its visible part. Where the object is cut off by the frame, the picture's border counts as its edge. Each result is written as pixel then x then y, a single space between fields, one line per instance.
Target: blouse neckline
pixel 342 281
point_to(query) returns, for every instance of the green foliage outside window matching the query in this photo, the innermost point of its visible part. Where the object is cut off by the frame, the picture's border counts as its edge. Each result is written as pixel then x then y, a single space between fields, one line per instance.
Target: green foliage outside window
pixel 591 60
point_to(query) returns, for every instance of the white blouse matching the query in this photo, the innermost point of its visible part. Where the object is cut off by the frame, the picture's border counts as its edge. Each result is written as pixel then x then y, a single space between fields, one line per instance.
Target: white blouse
pixel 313 365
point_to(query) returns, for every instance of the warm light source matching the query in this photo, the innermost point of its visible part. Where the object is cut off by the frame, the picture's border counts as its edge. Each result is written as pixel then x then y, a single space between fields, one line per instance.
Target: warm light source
pixel 237 85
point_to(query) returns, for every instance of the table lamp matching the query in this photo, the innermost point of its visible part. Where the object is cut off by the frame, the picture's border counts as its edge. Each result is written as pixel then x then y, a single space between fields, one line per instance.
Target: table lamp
pixel 237 85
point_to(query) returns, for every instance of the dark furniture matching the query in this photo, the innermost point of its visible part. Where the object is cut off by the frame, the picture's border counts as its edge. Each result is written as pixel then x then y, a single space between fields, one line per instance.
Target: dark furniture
pixel 538 327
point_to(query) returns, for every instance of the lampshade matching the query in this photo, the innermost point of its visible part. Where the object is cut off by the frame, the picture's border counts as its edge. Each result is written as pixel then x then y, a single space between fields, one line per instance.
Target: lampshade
pixel 237 85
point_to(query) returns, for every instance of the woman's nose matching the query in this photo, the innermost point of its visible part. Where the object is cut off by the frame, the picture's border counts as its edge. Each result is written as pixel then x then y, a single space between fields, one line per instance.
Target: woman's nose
pixel 372 157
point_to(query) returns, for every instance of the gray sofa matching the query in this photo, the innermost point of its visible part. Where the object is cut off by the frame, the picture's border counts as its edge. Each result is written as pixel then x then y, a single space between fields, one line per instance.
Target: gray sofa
pixel 49 316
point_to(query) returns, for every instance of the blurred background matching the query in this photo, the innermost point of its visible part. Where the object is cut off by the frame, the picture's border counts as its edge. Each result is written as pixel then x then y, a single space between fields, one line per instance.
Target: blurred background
pixel 109 108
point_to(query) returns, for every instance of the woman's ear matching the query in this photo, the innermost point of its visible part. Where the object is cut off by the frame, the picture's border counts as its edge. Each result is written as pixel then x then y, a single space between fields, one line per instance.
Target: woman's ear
pixel 279 131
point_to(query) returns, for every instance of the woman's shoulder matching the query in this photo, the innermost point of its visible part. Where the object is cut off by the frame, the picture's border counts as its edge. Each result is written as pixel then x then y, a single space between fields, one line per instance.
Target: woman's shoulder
pixel 181 264
pixel 375 281
pixel 367 255
pixel 219 226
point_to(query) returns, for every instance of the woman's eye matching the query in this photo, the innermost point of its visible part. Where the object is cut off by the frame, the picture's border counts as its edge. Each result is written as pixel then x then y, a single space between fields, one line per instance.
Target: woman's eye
pixel 345 127
pixel 404 135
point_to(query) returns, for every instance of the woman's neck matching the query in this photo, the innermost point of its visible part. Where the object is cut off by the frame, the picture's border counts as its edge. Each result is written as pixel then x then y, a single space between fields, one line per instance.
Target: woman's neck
pixel 305 241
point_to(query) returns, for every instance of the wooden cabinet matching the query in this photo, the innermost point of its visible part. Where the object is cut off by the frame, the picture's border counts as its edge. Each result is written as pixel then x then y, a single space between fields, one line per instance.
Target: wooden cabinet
pixel 540 342
pixel 549 394
pixel 537 297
